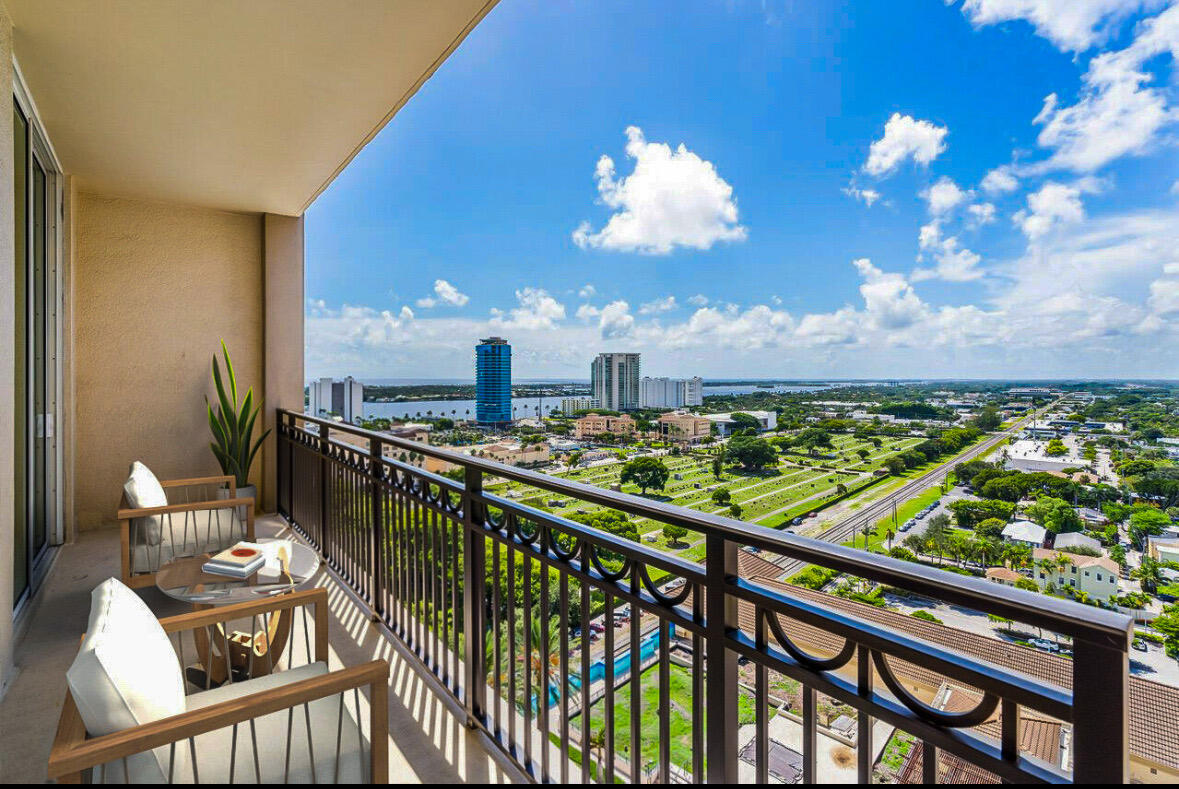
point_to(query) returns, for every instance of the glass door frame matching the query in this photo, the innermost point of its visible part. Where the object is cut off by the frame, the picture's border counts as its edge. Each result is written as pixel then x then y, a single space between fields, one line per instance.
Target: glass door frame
pixel 46 425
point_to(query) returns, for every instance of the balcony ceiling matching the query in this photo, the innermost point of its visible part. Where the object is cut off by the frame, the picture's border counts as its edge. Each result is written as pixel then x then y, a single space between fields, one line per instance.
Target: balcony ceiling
pixel 244 106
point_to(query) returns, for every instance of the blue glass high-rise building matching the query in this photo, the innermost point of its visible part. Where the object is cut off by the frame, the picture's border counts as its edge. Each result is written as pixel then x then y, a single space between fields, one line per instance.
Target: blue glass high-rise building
pixel 493 381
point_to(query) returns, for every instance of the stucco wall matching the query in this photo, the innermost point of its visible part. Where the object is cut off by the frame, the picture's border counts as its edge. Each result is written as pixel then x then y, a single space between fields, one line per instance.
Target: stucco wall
pixel 7 350
pixel 156 287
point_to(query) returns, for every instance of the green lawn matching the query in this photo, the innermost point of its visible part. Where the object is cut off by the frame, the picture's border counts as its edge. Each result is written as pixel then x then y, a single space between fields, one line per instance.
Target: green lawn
pixel 680 716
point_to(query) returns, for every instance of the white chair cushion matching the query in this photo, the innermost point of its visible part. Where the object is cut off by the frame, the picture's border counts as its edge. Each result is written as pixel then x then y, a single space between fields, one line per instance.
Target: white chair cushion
pixel 144 490
pixel 126 674
pixel 216 751
pixel 187 534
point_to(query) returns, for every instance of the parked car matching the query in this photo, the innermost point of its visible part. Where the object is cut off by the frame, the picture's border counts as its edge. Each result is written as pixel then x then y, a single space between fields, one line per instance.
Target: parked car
pixel 1045 644
pixel 1139 644
pixel 796 521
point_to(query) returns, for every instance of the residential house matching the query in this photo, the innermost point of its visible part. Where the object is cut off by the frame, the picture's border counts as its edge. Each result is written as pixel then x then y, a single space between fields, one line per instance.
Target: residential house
pixel 1025 533
pixel 1096 576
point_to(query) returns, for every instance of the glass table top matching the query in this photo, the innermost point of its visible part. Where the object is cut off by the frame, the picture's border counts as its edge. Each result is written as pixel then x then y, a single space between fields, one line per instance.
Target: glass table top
pixel 184 579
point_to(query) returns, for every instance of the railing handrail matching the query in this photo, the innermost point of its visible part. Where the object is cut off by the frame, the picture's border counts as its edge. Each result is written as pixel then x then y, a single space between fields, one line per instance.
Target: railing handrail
pixel 1076 620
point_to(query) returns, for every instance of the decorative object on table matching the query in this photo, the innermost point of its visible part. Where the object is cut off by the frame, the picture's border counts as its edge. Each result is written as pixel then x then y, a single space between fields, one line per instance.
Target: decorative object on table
pixel 284 561
pixel 240 561
pixel 233 426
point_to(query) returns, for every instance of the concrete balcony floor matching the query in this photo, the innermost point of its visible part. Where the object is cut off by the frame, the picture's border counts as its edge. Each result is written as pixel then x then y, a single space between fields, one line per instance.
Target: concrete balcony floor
pixel 428 741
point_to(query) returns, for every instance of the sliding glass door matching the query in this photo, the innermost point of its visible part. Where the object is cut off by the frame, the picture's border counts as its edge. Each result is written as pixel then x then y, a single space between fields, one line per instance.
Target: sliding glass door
pixel 37 214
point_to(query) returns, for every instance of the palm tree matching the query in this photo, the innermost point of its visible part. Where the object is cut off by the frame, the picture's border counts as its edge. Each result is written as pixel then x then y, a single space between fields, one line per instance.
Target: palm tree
pixel 598 746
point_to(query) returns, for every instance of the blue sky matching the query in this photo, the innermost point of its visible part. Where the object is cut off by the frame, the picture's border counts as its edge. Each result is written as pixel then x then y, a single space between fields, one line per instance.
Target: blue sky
pixel 899 188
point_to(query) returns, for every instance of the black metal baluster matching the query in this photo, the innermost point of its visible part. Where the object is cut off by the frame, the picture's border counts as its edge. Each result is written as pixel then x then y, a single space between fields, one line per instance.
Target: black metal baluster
pixel 863 719
pixel 563 676
pixel 761 707
pixel 526 555
pixel 810 729
pixel 608 705
pixel 721 679
pixel 585 717
pixel 543 660
pixel 497 638
pixel 664 702
pixel 636 687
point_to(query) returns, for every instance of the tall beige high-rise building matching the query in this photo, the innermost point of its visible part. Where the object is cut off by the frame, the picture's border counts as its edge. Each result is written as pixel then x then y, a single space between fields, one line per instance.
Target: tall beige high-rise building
pixel 614 381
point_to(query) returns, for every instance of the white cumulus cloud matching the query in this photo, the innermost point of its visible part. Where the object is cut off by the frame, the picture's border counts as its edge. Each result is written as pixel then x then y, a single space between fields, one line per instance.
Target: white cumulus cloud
pixel 673 198
pixel 981 214
pixel 865 196
pixel 1072 25
pixel 1118 113
pixel 1000 181
pixel 905 138
pixel 944 196
pixel 444 293
pixel 656 306
pixel 1054 204
pixel 536 310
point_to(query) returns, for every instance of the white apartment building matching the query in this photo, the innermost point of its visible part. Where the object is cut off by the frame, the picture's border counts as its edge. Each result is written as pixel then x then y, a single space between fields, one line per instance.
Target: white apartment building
pixel 614 381
pixel 571 405
pixel 725 424
pixel 671 392
pixel 344 399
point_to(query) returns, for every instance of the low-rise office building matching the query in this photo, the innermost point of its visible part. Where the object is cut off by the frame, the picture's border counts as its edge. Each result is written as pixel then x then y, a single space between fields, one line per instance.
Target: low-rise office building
pixel 684 427
pixel 592 425
pixel 725 425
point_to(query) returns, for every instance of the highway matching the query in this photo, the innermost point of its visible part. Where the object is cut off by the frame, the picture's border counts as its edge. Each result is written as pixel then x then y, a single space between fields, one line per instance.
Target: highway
pixel 853 524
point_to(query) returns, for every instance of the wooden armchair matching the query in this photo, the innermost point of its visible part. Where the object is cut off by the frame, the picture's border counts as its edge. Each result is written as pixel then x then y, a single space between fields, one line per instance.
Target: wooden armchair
pixel 293 725
pixel 194 522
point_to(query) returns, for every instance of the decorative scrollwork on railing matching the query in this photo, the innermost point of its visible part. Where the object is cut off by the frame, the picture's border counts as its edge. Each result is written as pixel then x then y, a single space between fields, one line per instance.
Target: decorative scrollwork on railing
pixel 804 658
pixel 516 528
pixel 610 575
pixel 559 549
pixel 495 518
pixel 955 720
pixel 661 597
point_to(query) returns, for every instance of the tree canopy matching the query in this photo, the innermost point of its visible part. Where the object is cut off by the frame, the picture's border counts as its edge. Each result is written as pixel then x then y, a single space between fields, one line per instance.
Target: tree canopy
pixel 646 473
pixel 750 452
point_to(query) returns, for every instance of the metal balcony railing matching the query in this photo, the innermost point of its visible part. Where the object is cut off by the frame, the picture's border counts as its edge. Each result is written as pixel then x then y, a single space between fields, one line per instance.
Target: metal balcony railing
pixel 489 594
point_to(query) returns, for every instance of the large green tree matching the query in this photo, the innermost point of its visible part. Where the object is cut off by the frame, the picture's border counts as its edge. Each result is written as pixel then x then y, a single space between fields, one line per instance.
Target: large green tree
pixel 812 439
pixel 646 473
pixel 1055 515
pixel 750 452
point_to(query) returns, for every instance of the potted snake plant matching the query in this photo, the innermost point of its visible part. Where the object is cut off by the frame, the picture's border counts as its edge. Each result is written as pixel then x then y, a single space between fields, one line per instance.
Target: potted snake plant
pixel 233 424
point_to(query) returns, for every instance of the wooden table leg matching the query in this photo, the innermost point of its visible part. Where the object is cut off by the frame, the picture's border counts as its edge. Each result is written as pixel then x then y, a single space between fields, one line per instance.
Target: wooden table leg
pixel 255 654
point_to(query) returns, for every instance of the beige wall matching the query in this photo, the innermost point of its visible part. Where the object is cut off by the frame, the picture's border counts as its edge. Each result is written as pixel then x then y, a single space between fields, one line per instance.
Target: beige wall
pixel 283 308
pixel 7 350
pixel 156 286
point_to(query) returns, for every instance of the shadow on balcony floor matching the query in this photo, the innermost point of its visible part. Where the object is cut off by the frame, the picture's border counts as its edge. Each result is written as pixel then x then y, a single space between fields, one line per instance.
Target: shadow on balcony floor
pixel 427 743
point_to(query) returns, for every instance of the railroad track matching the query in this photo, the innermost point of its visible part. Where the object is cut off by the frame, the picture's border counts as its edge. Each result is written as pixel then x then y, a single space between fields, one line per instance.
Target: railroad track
pixel 854 524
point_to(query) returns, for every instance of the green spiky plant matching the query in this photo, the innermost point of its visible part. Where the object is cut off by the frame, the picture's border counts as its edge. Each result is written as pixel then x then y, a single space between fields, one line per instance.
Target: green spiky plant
pixel 233 425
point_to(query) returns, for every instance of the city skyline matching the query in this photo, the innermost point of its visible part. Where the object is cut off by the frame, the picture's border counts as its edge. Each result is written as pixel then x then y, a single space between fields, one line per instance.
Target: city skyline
pixel 1001 201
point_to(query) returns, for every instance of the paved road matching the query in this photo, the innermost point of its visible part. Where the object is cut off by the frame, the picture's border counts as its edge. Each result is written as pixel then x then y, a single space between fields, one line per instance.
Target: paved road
pixel 843 530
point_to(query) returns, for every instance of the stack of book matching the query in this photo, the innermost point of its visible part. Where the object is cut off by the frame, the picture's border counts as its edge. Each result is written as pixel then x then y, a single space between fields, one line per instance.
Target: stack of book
pixel 240 561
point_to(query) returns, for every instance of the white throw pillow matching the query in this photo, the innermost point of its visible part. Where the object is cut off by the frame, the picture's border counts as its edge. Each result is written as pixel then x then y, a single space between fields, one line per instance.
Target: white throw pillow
pixel 144 490
pixel 127 674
